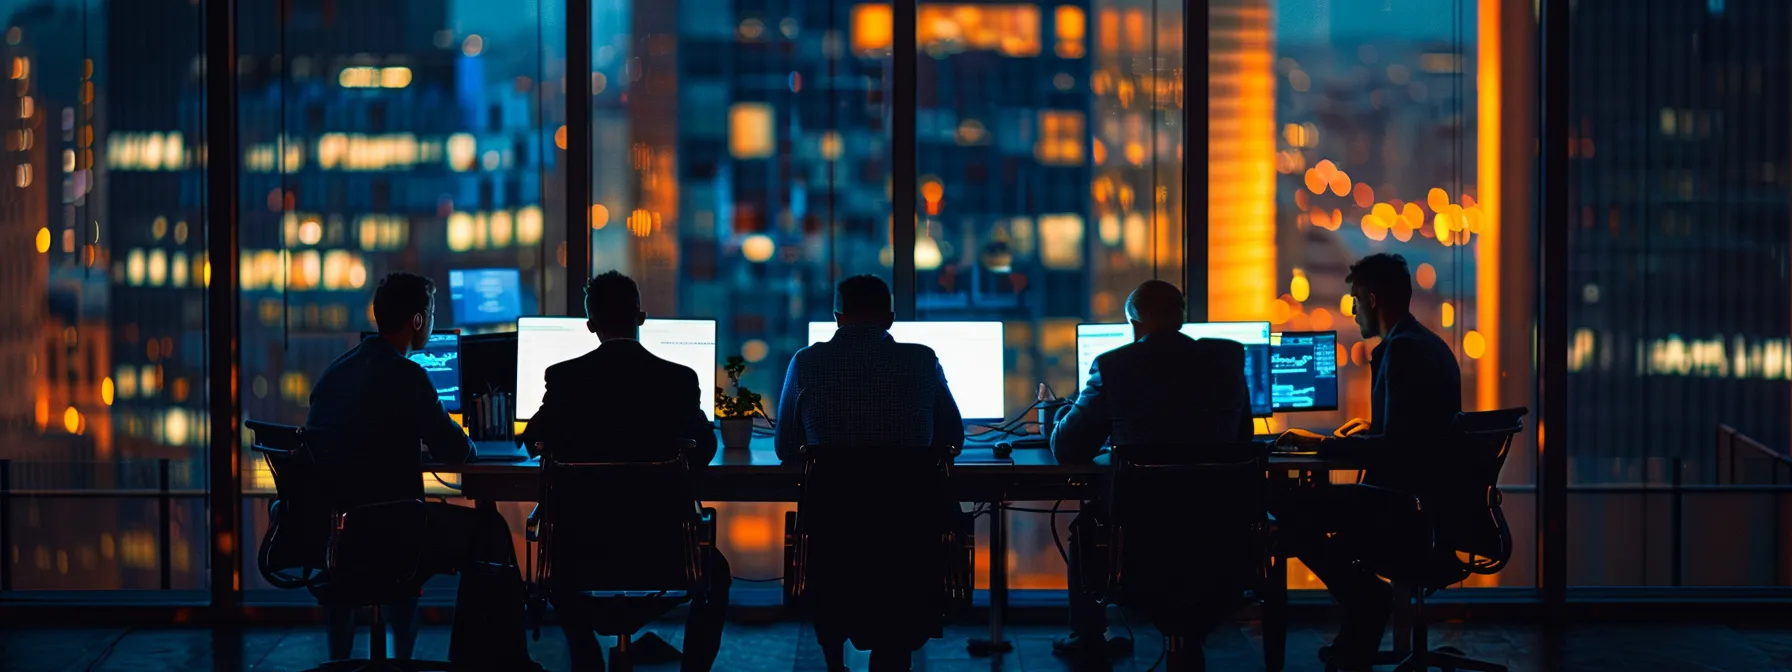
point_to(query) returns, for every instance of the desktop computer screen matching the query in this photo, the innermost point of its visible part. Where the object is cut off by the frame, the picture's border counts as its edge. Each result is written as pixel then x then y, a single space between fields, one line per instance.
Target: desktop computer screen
pixel 485 296
pixel 440 358
pixel 542 342
pixel 1094 339
pixel 1304 369
pixel 970 352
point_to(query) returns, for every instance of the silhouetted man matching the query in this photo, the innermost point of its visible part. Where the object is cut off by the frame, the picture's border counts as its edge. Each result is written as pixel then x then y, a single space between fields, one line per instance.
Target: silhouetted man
pixel 1340 532
pixel 1164 388
pixel 620 403
pixel 862 388
pixel 371 410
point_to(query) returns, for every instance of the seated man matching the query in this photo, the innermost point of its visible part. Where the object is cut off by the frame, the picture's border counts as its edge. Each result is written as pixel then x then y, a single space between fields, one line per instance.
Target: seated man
pixel 864 389
pixel 1416 394
pixel 1164 388
pixel 371 410
pixel 619 403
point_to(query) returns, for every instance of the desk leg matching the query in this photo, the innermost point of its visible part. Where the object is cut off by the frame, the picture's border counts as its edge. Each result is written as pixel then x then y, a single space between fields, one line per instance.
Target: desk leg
pixel 1275 616
pixel 998 586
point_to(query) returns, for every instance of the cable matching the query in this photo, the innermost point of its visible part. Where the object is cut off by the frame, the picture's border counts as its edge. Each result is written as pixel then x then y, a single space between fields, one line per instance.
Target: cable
pixel 1056 541
pixel 749 580
pixel 451 486
pixel 107 651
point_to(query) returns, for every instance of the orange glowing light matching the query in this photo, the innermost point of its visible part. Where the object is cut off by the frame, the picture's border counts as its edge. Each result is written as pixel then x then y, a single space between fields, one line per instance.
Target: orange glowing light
pixel 1426 275
pixel 71 420
pixel 600 216
pixel 1437 199
pixel 1473 344
pixel 1340 183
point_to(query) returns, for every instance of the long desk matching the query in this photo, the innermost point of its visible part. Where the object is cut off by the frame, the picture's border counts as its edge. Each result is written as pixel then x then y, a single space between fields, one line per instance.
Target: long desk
pixel 756 475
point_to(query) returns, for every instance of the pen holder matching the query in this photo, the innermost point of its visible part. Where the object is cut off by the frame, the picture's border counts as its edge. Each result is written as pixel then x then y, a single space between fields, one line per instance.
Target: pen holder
pixel 488 417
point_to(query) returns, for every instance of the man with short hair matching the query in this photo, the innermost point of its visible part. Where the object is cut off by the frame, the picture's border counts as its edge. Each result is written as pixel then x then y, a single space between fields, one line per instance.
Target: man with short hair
pixel 1415 396
pixel 621 403
pixel 864 389
pixel 1164 388
pixel 371 410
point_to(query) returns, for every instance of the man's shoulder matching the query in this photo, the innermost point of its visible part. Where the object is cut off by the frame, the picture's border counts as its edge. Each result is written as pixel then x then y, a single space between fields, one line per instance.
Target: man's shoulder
pixel 914 351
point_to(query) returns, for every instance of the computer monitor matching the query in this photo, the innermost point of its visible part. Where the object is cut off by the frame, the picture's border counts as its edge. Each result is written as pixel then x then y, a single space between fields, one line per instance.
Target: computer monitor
pixel 1094 339
pixel 542 342
pixel 970 352
pixel 440 358
pixel 485 296
pixel 1303 368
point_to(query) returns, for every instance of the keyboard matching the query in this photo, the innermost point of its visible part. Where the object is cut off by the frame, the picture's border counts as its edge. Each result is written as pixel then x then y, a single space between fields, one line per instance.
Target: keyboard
pixel 497 451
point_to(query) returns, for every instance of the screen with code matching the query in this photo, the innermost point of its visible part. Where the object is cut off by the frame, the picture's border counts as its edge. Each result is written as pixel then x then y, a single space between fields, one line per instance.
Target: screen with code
pixel 1304 369
pixel 485 296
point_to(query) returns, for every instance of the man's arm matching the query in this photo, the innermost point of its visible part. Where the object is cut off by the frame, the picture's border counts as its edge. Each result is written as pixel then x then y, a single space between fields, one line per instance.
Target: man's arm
pixel 540 427
pixel 1083 428
pixel 1402 381
pixel 948 424
pixel 447 442
pixel 698 428
pixel 789 433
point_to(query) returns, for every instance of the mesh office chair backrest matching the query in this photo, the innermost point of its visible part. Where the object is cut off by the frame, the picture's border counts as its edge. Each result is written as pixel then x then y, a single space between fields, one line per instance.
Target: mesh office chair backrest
pixel 875 524
pixel 1466 507
pixel 293 549
pixel 616 527
pixel 1187 525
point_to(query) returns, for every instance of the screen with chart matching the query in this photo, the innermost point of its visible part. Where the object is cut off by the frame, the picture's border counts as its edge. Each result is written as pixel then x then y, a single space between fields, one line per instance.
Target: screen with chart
pixel 542 342
pixel 1303 366
pixel 1094 339
pixel 440 358
pixel 970 352
pixel 485 296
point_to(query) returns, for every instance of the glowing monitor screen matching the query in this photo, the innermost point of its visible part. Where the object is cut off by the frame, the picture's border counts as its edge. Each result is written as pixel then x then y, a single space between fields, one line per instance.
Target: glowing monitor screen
pixel 440 358
pixel 970 352
pixel 1094 339
pixel 485 296
pixel 1303 368
pixel 542 342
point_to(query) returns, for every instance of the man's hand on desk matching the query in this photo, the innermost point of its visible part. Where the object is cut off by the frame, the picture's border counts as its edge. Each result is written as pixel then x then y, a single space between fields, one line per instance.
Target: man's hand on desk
pixel 1295 440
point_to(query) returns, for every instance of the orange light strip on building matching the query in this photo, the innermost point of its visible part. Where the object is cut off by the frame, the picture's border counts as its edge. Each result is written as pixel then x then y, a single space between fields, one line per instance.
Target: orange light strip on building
pixel 1487 248
pixel 1241 150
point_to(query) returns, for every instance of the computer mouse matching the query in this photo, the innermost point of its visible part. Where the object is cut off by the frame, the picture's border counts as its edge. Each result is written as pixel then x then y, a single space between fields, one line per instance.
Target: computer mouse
pixel 1003 450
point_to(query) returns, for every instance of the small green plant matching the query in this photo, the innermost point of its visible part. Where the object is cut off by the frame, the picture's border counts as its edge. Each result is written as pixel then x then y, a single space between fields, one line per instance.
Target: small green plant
pixel 744 403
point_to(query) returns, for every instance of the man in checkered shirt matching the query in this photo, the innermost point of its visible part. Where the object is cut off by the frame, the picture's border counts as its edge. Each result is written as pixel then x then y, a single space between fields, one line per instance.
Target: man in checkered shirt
pixel 862 388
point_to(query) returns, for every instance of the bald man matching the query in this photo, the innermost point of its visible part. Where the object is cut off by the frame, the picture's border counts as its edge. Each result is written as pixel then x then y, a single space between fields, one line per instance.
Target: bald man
pixel 1163 388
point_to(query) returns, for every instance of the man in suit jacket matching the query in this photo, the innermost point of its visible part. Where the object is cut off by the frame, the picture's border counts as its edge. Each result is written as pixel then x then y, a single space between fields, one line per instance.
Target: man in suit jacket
pixel 620 403
pixel 1163 388
pixel 370 410
pixel 864 389
pixel 1416 395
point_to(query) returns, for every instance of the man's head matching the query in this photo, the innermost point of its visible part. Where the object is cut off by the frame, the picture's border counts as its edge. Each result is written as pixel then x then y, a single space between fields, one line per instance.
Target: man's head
pixel 613 306
pixel 1154 307
pixel 1381 289
pixel 863 301
pixel 404 308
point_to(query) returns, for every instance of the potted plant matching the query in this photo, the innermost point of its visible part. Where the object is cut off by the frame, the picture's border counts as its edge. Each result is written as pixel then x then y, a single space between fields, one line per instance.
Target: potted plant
pixel 738 410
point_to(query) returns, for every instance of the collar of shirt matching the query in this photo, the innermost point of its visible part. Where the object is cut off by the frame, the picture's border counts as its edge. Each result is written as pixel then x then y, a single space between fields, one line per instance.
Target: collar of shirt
pixel 1404 324
pixel 860 334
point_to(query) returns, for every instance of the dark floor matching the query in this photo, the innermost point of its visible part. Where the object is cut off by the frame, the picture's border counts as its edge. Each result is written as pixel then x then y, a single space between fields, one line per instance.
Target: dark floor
pixel 789 646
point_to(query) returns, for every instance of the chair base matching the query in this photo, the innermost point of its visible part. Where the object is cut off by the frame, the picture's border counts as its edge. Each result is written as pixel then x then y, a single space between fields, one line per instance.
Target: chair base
pixel 986 647
pixel 394 665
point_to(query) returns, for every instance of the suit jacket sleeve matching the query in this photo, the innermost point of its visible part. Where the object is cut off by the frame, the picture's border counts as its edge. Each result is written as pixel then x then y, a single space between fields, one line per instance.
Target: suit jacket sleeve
pixel 446 441
pixel 1402 371
pixel 698 427
pixel 948 424
pixel 1084 428
pixel 541 427
pixel 789 433
pixel 1247 425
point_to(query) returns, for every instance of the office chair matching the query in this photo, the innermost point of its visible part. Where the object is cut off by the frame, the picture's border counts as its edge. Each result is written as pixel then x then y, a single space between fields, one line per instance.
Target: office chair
pixel 310 544
pixel 1186 542
pixel 1469 536
pixel 878 552
pixel 622 543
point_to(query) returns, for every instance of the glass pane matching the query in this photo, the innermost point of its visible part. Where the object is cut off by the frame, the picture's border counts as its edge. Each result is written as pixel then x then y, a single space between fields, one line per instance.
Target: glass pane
pixel 382 137
pixel 103 320
pixel 1678 358
pixel 1339 129
pixel 740 169
pixel 1049 166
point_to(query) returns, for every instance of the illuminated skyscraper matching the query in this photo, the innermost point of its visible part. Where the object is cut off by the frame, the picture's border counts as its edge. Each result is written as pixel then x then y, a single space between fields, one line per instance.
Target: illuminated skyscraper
pixel 1241 281
pixel 1679 240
